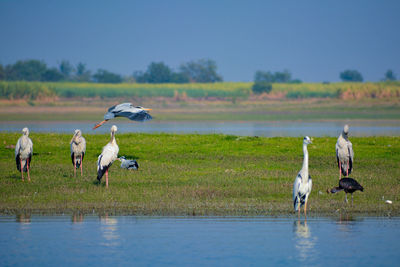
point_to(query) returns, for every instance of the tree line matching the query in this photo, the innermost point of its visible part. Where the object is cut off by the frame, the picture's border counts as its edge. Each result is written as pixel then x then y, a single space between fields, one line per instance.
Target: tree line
pixel 195 71
pixel 200 71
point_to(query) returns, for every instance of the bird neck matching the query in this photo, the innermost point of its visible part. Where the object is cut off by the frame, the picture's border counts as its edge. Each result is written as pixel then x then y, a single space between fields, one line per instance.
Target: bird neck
pixel 112 141
pixel 304 169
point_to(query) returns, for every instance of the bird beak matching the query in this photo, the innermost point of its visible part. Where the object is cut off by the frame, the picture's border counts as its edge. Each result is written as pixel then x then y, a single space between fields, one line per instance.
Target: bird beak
pixel 147 109
pixel 99 124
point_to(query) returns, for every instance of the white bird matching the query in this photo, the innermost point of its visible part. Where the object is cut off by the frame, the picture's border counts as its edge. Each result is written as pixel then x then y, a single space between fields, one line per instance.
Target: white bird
pixel 344 153
pixel 129 164
pixel 78 150
pixel 126 110
pixel 107 156
pixel 23 153
pixel 302 184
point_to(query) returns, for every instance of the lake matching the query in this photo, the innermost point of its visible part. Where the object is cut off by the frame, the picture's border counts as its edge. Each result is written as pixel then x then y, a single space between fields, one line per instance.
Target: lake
pixel 198 241
pixel 268 129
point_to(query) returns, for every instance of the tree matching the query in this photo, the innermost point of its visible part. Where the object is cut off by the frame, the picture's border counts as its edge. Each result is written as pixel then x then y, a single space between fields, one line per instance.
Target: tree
pixel 351 76
pixel 27 70
pixel 158 72
pixel 66 69
pixel 2 73
pixel 277 77
pixel 201 71
pixel 82 75
pixel 389 76
pixel 179 77
pixel 104 76
pixel 52 75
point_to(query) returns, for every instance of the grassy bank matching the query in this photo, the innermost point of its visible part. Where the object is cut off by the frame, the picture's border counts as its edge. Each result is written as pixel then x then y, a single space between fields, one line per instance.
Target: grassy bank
pixel 198 175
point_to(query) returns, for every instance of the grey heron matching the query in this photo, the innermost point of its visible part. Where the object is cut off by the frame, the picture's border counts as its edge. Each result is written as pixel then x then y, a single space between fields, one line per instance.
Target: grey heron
pixel 127 110
pixel 78 150
pixel 107 156
pixel 23 153
pixel 303 183
pixel 344 153
pixel 348 185
pixel 129 164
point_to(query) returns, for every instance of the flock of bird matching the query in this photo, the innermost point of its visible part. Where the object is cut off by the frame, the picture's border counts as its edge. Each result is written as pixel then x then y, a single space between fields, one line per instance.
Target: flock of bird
pixel 301 188
pixel 344 155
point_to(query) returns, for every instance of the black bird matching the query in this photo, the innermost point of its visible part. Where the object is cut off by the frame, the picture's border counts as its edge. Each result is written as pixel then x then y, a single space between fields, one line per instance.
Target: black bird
pixel 349 185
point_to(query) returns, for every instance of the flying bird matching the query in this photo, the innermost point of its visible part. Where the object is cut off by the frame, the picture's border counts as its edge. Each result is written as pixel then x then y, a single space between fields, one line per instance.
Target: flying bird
pixel 344 153
pixel 107 156
pixel 348 185
pixel 78 150
pixel 303 183
pixel 126 110
pixel 129 164
pixel 23 153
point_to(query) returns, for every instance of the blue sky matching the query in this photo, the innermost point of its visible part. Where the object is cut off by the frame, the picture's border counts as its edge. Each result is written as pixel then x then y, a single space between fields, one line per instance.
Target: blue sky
pixel 315 40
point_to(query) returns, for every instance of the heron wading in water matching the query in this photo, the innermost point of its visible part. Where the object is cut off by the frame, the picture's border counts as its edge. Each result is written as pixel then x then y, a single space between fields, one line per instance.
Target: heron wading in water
pixel 303 183
pixel 126 110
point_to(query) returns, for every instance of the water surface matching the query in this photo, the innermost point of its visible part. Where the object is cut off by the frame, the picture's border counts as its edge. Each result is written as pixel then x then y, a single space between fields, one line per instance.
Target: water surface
pixel 198 241
pixel 268 129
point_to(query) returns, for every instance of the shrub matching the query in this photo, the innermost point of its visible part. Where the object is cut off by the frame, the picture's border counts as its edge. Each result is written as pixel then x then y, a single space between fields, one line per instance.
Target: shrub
pixel 262 87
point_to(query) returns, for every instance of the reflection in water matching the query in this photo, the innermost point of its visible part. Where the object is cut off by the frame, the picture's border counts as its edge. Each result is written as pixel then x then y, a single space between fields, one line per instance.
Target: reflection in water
pixel 304 241
pixel 24 218
pixel 109 231
pixel 77 217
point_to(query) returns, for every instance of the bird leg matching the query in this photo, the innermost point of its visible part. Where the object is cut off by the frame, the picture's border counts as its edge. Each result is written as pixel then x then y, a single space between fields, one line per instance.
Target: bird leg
pixel 27 168
pixel 352 199
pixel 107 178
pixel 99 124
pixel 305 211
pixel 299 213
pixel 22 169
pixel 81 166
pixel 345 198
pixel 74 165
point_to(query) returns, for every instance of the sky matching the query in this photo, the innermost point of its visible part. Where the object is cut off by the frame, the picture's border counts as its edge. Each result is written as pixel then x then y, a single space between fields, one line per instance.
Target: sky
pixel 315 40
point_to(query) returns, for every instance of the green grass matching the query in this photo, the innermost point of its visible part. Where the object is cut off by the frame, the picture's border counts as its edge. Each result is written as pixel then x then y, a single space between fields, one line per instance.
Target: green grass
pixel 198 175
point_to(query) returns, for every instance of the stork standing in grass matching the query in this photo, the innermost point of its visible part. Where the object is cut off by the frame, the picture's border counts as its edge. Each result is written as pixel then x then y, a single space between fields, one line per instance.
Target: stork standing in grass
pixel 78 150
pixel 302 184
pixel 126 110
pixel 23 153
pixel 344 153
pixel 107 156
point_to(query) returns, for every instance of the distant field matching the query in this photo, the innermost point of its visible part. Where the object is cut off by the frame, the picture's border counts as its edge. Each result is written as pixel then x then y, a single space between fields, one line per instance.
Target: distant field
pixel 198 175
pixel 233 90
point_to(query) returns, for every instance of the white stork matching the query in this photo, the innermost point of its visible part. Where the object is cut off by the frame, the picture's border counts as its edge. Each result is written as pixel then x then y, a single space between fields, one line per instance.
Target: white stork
pixel 126 110
pixel 78 150
pixel 23 153
pixel 344 153
pixel 302 184
pixel 107 156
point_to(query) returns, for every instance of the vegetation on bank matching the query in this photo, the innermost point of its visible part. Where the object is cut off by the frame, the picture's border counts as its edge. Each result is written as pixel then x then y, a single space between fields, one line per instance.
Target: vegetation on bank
pixel 232 90
pixel 198 175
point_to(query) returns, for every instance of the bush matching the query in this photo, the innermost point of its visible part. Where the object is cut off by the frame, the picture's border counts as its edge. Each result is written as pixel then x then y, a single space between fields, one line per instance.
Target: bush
pixel 262 87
